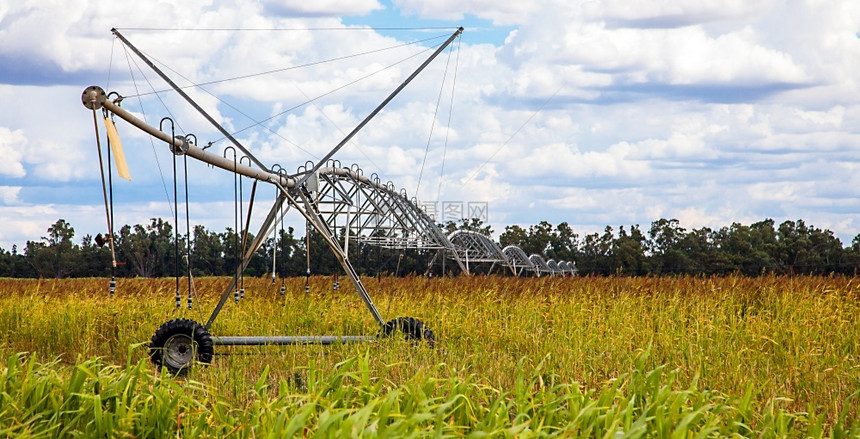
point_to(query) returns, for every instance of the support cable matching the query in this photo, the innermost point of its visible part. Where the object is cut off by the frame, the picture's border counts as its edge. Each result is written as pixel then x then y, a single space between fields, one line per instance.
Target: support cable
pixel 477 171
pixel 235 219
pixel 242 240
pixel 275 241
pixel 448 131
pixel 284 29
pixel 152 87
pixel 112 285
pixel 175 217
pixel 433 122
pixel 245 233
pixel 335 282
pixel 284 256
pixel 279 239
pixel 378 108
pixel 378 266
pixel 295 107
pixel 192 288
pixel 285 69
pixel 151 141
pixel 110 64
pixel 308 256
pixel 187 233
pixel 337 127
pixel 190 101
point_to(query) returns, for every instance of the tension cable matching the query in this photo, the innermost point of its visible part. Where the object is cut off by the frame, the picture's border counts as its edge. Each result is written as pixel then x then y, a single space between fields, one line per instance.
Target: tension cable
pixel 245 230
pixel 143 112
pixel 175 210
pixel 285 69
pixel 448 131
pixel 433 122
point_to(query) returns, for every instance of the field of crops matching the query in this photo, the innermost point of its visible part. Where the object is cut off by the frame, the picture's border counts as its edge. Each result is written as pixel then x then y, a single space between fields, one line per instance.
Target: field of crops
pixel 581 357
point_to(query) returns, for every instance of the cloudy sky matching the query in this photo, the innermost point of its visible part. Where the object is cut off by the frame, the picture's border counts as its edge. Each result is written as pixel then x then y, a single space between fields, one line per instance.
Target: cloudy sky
pixel 591 112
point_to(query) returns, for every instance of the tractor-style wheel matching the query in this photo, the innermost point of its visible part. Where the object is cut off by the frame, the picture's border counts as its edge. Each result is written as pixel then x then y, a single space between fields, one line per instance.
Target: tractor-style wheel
pixel 178 343
pixel 411 328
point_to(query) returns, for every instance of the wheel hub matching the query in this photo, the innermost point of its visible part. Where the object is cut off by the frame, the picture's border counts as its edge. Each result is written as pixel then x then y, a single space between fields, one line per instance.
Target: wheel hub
pixel 179 351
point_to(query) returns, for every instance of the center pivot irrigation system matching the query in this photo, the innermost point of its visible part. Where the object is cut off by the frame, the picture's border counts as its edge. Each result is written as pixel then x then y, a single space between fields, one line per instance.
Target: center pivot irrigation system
pixel 332 199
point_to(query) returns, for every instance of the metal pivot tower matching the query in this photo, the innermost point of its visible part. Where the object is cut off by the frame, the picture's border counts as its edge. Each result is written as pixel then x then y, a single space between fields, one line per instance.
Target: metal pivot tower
pixel 366 205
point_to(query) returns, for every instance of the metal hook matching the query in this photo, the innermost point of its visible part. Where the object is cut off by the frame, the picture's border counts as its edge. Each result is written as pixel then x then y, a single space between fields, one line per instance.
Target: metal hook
pixel 183 147
pixel 161 124
pixel 229 148
pixel 118 99
pixel 208 145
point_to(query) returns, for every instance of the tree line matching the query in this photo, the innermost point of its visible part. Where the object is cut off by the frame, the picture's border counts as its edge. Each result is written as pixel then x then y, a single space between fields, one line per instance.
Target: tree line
pixel 666 248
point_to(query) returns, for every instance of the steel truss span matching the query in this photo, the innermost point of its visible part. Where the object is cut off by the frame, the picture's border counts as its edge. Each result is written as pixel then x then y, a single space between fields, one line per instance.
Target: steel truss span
pixel 361 208
pixel 366 210
pixel 519 260
pixel 540 265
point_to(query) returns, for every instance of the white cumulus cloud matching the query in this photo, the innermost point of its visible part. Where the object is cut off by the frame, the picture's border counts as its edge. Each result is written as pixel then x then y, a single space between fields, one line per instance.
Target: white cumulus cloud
pixel 12 147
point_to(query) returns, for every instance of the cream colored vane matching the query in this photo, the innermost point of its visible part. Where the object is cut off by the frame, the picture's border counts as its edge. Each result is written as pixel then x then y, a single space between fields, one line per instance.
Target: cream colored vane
pixel 116 147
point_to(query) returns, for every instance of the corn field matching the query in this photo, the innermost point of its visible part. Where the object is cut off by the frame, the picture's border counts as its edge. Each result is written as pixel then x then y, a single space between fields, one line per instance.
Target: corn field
pixel 574 357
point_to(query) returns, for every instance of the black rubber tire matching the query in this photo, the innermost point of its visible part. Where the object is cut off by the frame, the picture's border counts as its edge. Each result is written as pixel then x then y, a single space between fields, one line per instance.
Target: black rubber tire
pixel 178 343
pixel 413 330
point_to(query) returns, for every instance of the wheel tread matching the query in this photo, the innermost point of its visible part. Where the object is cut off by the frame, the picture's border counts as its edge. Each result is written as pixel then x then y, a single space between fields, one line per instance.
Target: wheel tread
pixel 205 345
pixel 413 330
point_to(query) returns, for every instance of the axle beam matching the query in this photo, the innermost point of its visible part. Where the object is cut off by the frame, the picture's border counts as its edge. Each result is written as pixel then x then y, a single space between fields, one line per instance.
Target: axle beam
pixel 290 340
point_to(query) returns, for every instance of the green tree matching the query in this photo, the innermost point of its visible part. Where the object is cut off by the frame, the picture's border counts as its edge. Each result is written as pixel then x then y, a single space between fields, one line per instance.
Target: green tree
pixel 149 250
pixel 471 224
pixel 56 256
pixel 596 252
pixel 807 249
pixel 562 243
pixel 540 236
pixel 628 252
pixel 513 235
pixel 95 261
pixel 665 245
pixel 852 257
pixel 14 264
pixel 207 253
pixel 703 255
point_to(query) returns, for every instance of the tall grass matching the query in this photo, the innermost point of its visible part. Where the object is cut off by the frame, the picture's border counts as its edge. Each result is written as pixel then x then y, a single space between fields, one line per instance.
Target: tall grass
pixel 92 399
pixel 587 356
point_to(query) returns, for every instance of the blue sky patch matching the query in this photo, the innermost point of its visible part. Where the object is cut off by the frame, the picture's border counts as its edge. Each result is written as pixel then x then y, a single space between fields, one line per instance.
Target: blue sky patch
pixel 393 23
